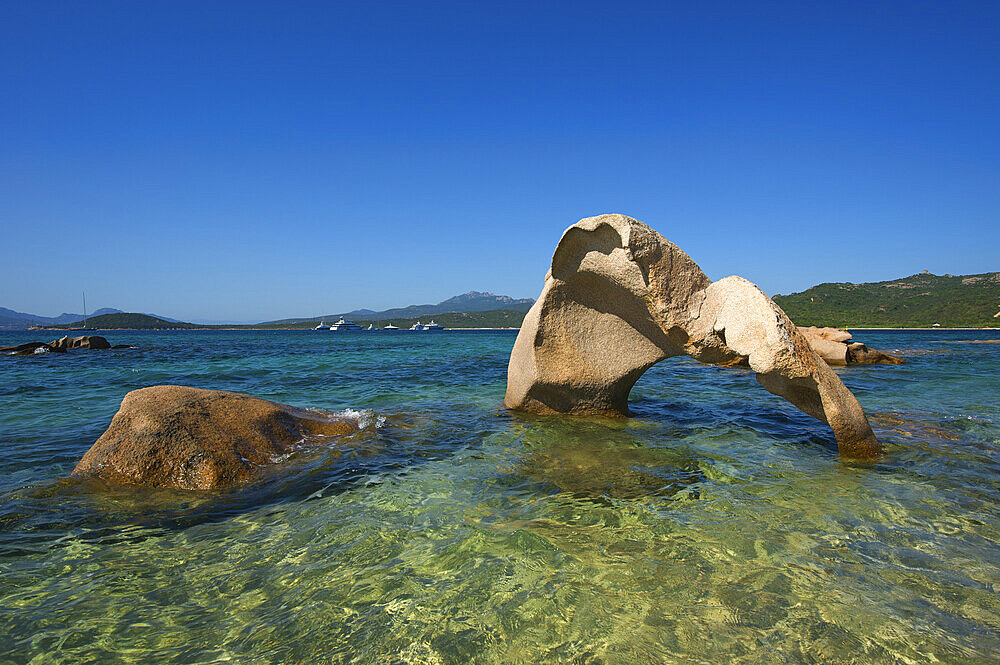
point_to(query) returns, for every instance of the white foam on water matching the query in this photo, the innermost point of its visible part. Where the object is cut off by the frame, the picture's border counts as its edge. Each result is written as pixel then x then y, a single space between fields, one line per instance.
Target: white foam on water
pixel 365 418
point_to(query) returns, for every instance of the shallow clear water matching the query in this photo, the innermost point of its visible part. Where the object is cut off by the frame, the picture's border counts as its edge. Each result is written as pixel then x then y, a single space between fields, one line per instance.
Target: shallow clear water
pixel 718 525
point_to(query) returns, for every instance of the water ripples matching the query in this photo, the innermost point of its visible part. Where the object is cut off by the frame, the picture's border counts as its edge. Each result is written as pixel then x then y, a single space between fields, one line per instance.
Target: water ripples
pixel 716 525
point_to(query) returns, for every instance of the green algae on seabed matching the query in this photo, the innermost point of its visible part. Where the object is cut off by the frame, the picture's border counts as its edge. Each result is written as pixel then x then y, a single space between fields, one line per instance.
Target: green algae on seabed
pixel 716 526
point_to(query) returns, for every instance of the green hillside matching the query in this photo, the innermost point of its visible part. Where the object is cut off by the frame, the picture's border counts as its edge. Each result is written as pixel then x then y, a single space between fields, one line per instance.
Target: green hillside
pixel 124 321
pixel 911 302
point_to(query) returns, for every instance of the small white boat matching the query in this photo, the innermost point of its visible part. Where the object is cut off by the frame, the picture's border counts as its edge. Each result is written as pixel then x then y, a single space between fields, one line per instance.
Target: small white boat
pixel 322 326
pixel 344 325
pixel 370 328
pixel 433 326
pixel 390 327
pixel 417 326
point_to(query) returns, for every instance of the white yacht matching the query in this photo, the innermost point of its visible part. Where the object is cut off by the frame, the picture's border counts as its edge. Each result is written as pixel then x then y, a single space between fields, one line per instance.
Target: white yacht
pixel 433 326
pixel 344 325
pixel 322 326
pixel 417 326
pixel 391 327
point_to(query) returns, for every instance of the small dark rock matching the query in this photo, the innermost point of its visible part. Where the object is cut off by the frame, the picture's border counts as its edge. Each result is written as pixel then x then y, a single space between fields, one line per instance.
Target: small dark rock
pixel 858 353
pixel 61 345
pixel 22 349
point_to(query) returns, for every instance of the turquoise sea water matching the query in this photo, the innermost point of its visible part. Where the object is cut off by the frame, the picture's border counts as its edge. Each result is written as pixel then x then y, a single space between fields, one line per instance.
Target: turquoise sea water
pixel 718 525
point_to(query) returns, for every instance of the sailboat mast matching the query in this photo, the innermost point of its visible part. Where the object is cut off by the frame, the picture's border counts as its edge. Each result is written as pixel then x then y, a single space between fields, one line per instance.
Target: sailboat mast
pixel 84 310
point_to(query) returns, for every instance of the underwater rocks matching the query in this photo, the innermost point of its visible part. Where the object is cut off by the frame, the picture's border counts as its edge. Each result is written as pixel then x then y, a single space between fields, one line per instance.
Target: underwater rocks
pixel 620 298
pixel 834 346
pixel 188 438
pixel 61 345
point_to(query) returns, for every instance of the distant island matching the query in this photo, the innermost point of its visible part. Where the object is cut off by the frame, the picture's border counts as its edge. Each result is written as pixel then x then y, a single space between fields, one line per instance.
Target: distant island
pixel 917 301
pixel 122 321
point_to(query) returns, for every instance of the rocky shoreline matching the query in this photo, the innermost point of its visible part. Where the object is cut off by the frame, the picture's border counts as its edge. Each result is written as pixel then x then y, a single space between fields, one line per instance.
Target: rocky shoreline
pixel 834 345
pixel 61 345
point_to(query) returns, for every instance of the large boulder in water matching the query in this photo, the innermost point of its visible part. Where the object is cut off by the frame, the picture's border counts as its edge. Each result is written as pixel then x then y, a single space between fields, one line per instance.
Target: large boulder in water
pixel 620 298
pixel 829 334
pixel 828 343
pixel 858 353
pixel 835 347
pixel 60 345
pixel 188 438
pixel 82 342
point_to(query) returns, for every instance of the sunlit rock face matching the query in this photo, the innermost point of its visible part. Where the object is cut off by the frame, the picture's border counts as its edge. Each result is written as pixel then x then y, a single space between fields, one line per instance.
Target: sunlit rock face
pixel 188 438
pixel 620 298
pixel 835 347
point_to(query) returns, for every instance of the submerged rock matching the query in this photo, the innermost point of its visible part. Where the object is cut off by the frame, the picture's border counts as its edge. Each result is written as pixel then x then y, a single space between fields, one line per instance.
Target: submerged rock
pixel 26 349
pixel 835 347
pixel 620 298
pixel 188 438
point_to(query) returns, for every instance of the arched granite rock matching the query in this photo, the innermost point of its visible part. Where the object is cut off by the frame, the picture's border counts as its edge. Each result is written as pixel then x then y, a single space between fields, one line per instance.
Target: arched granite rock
pixel 620 298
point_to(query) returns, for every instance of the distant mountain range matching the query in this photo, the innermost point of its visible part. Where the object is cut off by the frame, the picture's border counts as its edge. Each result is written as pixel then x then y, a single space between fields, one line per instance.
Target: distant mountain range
pixel 916 301
pixel 473 301
pixel 11 320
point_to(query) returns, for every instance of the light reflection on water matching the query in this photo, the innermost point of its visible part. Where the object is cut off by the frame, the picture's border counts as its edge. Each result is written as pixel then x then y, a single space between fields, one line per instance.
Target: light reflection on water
pixel 716 526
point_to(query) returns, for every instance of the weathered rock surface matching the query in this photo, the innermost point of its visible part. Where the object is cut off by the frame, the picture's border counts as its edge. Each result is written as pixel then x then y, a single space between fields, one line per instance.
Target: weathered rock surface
pixel 60 345
pixel 833 353
pixel 188 438
pixel 828 343
pixel 858 353
pixel 82 342
pixel 620 298
pixel 834 346
pixel 830 334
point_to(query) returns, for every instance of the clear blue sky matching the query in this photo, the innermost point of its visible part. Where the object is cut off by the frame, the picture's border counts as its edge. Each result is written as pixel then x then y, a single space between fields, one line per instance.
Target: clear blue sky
pixel 247 160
